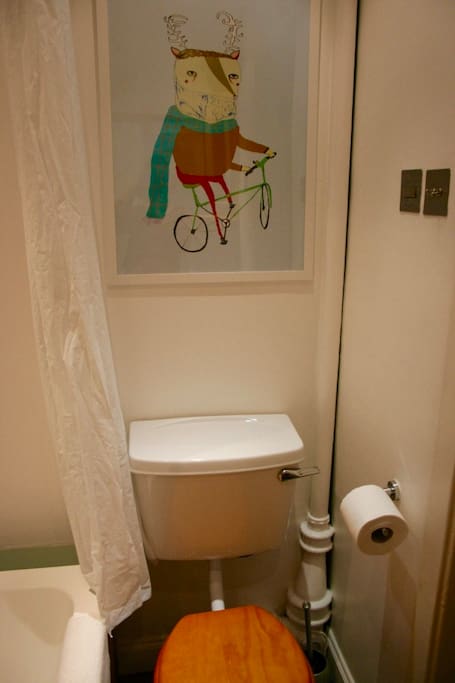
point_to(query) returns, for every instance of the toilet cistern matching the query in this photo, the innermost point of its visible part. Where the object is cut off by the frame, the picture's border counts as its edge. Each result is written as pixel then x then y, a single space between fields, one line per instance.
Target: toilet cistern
pixel 214 486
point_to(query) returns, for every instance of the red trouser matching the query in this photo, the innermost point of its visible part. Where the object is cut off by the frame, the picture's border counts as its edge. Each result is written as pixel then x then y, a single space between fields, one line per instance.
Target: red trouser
pixel 204 181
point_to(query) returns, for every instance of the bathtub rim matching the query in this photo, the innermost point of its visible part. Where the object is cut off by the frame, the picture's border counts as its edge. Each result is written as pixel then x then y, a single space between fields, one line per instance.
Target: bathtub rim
pixel 66 578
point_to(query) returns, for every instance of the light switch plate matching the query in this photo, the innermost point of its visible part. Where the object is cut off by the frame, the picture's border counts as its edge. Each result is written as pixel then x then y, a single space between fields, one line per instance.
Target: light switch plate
pixel 411 190
pixel 437 184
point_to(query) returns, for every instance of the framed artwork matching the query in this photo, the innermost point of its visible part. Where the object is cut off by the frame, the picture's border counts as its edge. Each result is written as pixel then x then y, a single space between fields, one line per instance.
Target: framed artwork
pixel 207 117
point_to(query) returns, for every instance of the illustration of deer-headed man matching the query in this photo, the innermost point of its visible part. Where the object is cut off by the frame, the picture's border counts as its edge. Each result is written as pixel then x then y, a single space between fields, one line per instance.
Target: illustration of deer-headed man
pixel 200 131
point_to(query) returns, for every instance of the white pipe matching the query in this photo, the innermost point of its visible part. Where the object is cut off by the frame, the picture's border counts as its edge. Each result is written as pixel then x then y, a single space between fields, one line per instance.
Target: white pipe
pixel 337 52
pixel 338 48
pixel 216 586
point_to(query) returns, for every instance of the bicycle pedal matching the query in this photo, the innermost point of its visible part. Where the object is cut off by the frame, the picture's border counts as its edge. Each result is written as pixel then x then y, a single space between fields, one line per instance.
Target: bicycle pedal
pixel 223 241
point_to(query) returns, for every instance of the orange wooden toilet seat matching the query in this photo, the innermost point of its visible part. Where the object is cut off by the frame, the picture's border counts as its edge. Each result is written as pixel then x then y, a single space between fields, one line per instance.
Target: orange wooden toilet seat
pixel 237 645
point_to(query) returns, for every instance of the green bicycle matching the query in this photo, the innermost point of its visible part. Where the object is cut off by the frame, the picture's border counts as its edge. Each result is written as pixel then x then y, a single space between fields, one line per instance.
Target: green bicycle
pixel 190 230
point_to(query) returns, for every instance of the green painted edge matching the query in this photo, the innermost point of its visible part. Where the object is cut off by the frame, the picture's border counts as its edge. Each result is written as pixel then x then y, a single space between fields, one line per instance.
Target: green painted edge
pixel 31 558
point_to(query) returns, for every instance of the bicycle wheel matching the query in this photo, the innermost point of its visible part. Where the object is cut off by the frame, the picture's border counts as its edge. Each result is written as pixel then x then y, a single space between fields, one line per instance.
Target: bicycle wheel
pixel 191 233
pixel 265 202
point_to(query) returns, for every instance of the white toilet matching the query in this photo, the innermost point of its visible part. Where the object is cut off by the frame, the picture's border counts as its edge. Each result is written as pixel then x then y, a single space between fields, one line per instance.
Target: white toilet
pixel 211 488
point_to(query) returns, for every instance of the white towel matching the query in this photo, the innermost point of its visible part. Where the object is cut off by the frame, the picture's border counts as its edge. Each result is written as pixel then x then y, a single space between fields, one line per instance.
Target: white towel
pixel 84 657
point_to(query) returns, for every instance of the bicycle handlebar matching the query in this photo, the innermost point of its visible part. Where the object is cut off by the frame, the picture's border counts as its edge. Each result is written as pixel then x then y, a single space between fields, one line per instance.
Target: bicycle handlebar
pixel 259 163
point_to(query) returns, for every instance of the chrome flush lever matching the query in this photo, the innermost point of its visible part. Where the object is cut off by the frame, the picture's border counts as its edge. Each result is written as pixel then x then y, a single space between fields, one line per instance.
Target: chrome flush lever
pixel 288 473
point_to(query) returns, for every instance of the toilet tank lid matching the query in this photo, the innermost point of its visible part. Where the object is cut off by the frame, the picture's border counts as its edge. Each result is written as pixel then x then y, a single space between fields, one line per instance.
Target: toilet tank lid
pixel 213 444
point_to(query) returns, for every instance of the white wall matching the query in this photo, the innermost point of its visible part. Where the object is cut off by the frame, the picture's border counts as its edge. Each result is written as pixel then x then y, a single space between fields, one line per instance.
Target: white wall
pixel 31 506
pixel 398 337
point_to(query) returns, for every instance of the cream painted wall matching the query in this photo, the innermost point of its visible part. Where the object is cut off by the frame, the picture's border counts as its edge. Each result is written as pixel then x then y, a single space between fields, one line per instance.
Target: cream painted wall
pixel 31 506
pixel 398 340
pixel 211 352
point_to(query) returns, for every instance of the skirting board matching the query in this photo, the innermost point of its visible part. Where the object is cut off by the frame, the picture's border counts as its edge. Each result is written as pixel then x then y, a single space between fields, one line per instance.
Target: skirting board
pixel 340 668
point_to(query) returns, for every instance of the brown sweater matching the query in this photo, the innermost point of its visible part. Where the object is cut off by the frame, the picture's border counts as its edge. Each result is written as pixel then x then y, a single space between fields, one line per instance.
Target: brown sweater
pixel 210 154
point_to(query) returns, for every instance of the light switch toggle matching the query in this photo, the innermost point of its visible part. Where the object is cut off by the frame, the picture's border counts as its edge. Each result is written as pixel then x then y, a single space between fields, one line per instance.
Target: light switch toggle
pixel 434 191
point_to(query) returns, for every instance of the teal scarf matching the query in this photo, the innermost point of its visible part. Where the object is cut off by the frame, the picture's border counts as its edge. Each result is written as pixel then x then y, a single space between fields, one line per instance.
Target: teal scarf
pixel 162 152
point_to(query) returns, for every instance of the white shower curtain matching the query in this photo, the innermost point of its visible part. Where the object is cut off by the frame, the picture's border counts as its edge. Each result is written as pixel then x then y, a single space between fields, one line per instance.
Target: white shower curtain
pixel 67 301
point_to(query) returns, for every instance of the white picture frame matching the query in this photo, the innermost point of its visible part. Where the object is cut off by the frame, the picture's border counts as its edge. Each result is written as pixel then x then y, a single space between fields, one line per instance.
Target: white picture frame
pixel 302 272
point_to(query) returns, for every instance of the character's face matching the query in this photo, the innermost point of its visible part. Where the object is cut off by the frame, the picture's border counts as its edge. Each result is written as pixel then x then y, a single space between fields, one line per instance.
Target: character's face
pixel 207 84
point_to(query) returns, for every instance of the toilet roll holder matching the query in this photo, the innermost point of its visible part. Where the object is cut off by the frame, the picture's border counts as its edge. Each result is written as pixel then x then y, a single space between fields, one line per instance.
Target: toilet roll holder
pixel 393 490
pixel 393 487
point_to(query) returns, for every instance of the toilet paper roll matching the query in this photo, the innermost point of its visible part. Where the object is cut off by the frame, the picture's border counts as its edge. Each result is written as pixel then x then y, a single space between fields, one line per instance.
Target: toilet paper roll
pixel 373 520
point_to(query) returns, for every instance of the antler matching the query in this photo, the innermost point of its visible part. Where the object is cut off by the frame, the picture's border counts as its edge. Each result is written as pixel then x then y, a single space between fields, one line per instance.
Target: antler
pixel 233 34
pixel 174 33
